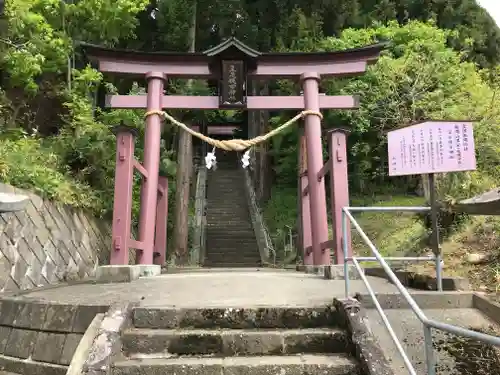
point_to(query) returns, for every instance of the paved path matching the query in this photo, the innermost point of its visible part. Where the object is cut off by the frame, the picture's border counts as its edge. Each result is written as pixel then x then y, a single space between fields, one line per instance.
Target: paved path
pixel 214 288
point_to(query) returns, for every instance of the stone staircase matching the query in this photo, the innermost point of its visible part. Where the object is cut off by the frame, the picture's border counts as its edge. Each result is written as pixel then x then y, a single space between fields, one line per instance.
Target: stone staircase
pixel 225 341
pixel 230 238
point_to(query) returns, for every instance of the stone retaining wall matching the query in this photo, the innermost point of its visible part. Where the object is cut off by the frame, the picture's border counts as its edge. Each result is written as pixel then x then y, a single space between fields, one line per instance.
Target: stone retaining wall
pixel 47 243
pixel 40 338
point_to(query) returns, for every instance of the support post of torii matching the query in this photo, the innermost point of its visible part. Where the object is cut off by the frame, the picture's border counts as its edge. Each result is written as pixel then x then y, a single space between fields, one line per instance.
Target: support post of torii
pixel 230 63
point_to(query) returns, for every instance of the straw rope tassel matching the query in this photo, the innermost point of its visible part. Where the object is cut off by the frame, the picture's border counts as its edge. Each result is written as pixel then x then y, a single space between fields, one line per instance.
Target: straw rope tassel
pixel 234 144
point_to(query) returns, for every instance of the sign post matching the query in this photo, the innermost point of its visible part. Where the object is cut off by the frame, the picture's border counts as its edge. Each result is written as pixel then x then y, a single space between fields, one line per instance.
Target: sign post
pixel 427 148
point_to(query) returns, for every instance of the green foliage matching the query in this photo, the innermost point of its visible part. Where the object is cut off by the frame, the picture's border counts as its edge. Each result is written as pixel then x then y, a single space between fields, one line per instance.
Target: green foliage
pixel 76 166
pixel 27 163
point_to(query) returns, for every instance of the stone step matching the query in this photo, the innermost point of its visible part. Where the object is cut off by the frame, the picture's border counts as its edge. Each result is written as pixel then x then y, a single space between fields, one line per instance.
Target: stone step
pixel 233 231
pixel 227 176
pixel 209 260
pixel 228 235
pixel 234 247
pixel 230 241
pixel 234 342
pixel 217 208
pixel 217 227
pixel 334 364
pixel 235 318
pixel 228 259
pixel 217 253
pixel 218 250
pixel 208 264
pixel 233 257
pixel 228 202
pixel 226 230
pixel 218 191
pixel 238 215
pixel 235 265
pixel 228 216
pixel 217 262
pixel 219 224
pixel 213 248
pixel 234 241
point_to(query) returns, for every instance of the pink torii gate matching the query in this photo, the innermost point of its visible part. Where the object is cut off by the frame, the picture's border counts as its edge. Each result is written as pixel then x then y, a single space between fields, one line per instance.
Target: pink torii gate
pixel 230 64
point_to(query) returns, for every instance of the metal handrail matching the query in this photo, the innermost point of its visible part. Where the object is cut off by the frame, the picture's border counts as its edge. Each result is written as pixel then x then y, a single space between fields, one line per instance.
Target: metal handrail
pixel 427 323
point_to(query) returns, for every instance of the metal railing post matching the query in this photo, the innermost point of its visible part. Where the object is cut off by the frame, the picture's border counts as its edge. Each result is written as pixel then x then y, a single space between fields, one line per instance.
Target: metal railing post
pixel 429 351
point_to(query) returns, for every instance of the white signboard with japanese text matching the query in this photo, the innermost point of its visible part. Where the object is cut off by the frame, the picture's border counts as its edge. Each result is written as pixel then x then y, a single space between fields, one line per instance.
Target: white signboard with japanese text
pixel 432 147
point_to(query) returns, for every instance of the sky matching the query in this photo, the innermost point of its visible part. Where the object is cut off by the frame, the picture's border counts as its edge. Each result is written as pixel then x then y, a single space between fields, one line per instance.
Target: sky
pixel 493 8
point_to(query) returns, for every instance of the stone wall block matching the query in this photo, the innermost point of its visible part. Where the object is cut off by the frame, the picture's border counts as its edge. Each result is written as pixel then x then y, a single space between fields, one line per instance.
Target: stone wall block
pixel 18 271
pixel 60 318
pixel 36 201
pixel 9 311
pixel 20 343
pixel 13 230
pixel 69 348
pixel 4 337
pixel 10 286
pixel 31 315
pixel 8 250
pixel 49 347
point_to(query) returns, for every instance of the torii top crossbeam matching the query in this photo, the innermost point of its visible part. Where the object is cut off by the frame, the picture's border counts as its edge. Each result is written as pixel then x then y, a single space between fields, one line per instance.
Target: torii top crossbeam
pixel 231 63
pixel 203 64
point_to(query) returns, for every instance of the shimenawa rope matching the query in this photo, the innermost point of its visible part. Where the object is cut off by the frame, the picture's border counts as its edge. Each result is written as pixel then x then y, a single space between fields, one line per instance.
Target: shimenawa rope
pixel 234 144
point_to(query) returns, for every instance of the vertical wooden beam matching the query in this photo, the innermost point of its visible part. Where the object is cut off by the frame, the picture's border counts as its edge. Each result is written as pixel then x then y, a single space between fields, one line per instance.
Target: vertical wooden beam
pixel 161 222
pixel 304 204
pixel 122 205
pixel 339 189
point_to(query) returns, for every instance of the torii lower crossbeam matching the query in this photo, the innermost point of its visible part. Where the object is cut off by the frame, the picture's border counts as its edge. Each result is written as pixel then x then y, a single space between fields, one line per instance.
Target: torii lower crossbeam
pixel 212 102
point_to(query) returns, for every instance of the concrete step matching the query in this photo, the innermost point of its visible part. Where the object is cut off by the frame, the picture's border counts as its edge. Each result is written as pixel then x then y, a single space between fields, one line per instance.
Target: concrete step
pixel 336 364
pixel 235 318
pixel 234 342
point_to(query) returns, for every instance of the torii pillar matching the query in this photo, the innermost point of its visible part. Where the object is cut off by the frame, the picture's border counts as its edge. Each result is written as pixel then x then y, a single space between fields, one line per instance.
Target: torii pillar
pixel 316 187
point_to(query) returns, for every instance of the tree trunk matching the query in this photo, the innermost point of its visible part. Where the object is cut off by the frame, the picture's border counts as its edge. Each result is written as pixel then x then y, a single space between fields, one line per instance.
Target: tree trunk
pixel 183 177
pixel 265 170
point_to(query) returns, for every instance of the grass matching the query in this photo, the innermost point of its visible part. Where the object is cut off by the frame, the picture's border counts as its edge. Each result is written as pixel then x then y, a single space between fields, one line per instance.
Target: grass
pixel 393 233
